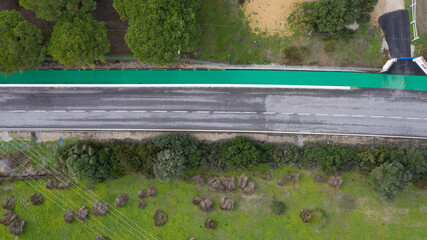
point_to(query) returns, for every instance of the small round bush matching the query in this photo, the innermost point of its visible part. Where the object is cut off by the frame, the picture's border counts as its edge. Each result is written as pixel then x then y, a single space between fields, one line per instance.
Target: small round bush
pixel 169 166
pixel 277 207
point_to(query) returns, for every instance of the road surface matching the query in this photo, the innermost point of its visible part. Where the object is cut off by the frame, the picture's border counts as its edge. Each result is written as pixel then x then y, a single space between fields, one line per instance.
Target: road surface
pixel 358 111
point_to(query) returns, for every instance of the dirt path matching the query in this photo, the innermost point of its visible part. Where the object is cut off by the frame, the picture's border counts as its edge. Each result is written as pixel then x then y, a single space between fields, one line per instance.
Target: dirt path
pixel 422 16
pixel 385 6
pixel 270 16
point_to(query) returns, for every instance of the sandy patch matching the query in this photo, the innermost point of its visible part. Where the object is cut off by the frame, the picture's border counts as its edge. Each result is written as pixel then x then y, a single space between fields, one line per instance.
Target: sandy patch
pixel 270 16
pixel 385 6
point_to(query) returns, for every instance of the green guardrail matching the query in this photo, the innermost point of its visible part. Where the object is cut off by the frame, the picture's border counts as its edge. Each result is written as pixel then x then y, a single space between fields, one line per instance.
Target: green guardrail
pixel 367 80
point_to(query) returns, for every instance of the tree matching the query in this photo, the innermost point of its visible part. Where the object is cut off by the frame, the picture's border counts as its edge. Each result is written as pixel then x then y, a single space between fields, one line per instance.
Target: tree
pixel 240 152
pixel 87 161
pixel 413 159
pixel 331 16
pixel 160 29
pixel 389 180
pixel 78 41
pixel 53 10
pixel 180 144
pixel 20 43
pixel 169 166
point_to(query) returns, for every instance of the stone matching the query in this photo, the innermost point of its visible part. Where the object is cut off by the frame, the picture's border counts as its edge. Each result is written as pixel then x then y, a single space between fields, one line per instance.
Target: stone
pixel 8 217
pixel 142 193
pixel 63 185
pixel 206 205
pixel 197 200
pixel 266 176
pixel 9 203
pixel 281 182
pixel 210 224
pixel 100 237
pixel 52 184
pixel 318 178
pixel 226 204
pixel 141 203
pixel 121 200
pixel 69 216
pixel 151 191
pixel 99 208
pixel 292 177
pixel 198 179
pixel 192 238
pixel 335 181
pixel 228 183
pixel 250 187
pixel 160 218
pixel 305 215
pixel 82 213
pixel 17 227
pixel 5 166
pixel 215 184
pixel 242 181
pixel 36 199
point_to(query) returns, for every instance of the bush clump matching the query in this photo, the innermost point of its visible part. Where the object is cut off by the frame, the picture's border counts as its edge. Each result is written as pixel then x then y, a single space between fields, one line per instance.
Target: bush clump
pixel 86 160
pixel 169 165
pixel 132 157
pixel 181 144
pixel 240 152
pixel 389 180
pixel 277 207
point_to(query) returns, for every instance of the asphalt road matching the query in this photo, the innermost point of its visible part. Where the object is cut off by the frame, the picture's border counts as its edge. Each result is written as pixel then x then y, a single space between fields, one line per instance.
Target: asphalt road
pixel 360 111
pixel 396 28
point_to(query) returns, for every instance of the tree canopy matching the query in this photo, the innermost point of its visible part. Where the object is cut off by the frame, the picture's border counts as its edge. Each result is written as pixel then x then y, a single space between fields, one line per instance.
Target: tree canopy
pixel 53 10
pixel 78 41
pixel 20 43
pixel 331 16
pixel 160 29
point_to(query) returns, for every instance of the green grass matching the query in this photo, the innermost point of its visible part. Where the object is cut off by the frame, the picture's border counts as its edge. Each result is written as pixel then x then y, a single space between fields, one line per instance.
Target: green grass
pixel 352 212
pixel 227 37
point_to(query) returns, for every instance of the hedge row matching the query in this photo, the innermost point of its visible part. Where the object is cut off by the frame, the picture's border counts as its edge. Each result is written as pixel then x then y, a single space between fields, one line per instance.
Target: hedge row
pixel 168 156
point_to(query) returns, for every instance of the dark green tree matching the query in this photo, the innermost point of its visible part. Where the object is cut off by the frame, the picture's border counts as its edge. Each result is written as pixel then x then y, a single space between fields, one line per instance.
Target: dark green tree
pixel 20 43
pixel 53 10
pixel 160 29
pixel 389 180
pixel 181 144
pixel 413 159
pixel 240 152
pixel 79 41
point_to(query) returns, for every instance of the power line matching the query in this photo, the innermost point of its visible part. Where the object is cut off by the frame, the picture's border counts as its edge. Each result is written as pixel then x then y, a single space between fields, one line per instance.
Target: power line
pixel 41 185
pixel 82 190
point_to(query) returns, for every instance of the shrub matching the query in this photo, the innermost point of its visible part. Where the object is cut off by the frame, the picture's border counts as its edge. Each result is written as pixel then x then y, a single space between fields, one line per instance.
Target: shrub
pixel 180 144
pixel 169 166
pixel 277 207
pixel 20 43
pixel 86 160
pixel 210 157
pixel 279 155
pixel 240 152
pixel 293 55
pixel 330 158
pixel 132 157
pixel 312 155
pixel 413 159
pixel 371 157
pixel 389 180
pixel 330 46
pixel 53 10
pixel 79 41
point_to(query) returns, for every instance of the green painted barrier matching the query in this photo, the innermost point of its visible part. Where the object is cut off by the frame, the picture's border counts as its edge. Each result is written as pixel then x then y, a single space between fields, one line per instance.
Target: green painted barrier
pixel 367 80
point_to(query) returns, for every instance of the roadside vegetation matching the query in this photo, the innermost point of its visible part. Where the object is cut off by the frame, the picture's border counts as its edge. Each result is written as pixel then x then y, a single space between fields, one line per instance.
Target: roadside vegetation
pixel 256 188
pixel 213 30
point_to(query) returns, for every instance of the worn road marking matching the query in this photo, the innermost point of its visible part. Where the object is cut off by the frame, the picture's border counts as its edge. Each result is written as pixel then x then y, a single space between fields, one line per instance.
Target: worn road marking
pixel 322 114
pixel 17 111
pixel 358 116
pixel 180 111
pixel 413 118
pixel 304 114
pixel 269 113
pixel 37 111
pixel 58 111
pixel 395 117
pixel 203 112
pixel 340 115
pixel 377 116
pixel 98 111
pixel 138 111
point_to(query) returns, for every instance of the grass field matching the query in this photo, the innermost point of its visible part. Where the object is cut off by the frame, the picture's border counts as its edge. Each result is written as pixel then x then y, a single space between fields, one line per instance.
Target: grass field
pixel 227 37
pixel 352 212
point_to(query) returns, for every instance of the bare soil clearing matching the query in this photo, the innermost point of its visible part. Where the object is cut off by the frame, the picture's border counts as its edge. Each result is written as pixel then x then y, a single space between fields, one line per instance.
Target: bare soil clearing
pixel 383 7
pixel 270 16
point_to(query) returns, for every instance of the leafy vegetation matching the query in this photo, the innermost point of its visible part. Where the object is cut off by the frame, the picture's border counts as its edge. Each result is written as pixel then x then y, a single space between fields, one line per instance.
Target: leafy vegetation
pixel 53 10
pixel 240 152
pixel 20 43
pixel 277 207
pixel 180 144
pixel 159 30
pixel 169 165
pixel 330 16
pixel 389 180
pixel 78 41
